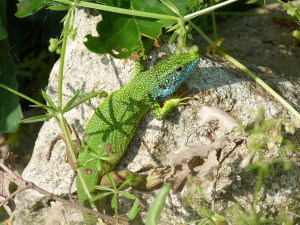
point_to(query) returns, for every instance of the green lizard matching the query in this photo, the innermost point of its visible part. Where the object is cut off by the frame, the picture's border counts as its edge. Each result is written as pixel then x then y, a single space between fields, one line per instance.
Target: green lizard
pixel 114 122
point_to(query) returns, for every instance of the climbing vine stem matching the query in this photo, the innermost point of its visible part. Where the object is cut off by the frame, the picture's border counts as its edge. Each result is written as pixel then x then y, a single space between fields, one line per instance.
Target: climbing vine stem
pixel 68 26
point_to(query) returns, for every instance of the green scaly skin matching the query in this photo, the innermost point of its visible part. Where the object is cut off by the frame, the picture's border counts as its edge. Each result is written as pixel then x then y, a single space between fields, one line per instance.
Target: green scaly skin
pixel 117 118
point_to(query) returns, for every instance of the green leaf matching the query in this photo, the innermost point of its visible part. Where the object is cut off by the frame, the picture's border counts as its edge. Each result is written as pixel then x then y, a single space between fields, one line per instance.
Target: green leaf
pixel 102 195
pixel 10 110
pixel 125 184
pixel 173 37
pixel 120 35
pixel 103 188
pixel 251 1
pixel 175 27
pixel 204 211
pixel 3 33
pixel 111 181
pixel 134 210
pixel 58 6
pixel 48 99
pixel 171 6
pixel 38 118
pixel 48 108
pixel 114 201
pixel 28 7
pixel 219 217
pixel 167 23
pixel 203 221
pixel 105 158
pixel 85 98
pixel 127 195
pixel 157 206
pixel 73 99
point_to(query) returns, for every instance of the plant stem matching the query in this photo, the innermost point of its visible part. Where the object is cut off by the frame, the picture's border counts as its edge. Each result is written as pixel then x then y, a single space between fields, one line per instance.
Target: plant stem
pixel 206 10
pixel 62 58
pixel 28 185
pixel 144 14
pixel 255 14
pixel 249 73
pixel 66 134
pixel 74 159
pixel 205 37
pixel 69 24
pixel 260 82
pixel 119 10
pixel 213 17
pixel 257 187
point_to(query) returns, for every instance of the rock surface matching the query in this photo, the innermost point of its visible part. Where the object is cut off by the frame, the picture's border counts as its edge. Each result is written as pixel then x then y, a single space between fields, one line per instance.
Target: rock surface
pixel 215 83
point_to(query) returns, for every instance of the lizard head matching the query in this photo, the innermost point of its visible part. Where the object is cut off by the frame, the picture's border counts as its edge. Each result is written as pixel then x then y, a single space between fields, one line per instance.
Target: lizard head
pixel 171 72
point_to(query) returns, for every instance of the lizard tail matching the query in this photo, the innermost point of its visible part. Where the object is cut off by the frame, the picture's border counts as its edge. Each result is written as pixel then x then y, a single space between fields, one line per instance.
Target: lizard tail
pixel 84 200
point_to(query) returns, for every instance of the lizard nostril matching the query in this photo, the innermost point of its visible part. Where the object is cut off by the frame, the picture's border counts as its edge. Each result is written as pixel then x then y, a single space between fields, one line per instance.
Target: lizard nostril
pixel 180 69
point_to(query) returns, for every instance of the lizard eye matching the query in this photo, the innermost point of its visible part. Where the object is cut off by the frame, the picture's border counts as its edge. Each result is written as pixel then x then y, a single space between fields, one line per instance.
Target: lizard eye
pixel 162 86
pixel 180 69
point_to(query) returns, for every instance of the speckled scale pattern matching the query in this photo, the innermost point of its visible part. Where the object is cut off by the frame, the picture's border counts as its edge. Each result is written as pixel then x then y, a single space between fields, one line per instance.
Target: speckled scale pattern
pixel 117 118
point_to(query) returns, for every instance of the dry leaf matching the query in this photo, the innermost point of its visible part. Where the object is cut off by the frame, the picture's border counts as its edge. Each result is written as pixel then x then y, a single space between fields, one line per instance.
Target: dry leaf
pixel 179 179
pixel 245 162
pixel 2 140
pixel 4 152
pixel 226 122
pixel 207 172
pixel 8 158
pixel 8 222
pixel 56 214
pixel 201 150
pixel 198 160
pixel 187 152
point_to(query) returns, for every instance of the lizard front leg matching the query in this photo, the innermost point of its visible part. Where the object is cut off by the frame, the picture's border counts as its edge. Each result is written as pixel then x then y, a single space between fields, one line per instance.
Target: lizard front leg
pixel 161 112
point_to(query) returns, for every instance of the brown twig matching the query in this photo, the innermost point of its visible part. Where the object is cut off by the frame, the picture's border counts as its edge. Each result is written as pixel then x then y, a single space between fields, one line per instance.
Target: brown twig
pixel 70 187
pixel 13 194
pixel 20 182
pixel 237 143
pixel 213 195
pixel 15 177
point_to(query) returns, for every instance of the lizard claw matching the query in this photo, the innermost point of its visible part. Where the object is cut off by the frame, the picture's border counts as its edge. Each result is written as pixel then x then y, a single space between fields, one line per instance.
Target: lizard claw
pixel 180 97
pixel 187 98
pixel 183 103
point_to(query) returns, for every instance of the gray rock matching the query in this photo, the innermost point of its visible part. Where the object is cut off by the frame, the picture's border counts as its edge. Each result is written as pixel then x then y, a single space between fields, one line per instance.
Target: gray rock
pixel 216 83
